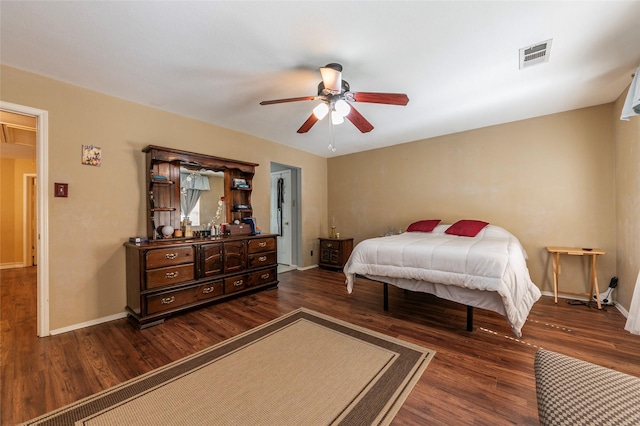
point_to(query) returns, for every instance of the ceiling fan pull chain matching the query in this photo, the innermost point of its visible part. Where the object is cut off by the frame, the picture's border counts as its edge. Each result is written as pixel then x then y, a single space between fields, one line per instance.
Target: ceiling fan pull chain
pixel 332 144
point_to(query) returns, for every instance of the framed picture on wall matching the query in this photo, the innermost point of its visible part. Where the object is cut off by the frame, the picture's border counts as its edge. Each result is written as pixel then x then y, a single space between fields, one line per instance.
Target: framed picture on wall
pixel 91 155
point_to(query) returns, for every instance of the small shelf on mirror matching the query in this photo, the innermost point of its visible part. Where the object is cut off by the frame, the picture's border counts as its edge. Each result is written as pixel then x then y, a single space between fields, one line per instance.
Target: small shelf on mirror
pixel 163 209
pixel 162 182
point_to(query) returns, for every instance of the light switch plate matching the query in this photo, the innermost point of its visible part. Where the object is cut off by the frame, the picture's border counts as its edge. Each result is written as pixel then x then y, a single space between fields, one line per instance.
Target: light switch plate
pixel 61 190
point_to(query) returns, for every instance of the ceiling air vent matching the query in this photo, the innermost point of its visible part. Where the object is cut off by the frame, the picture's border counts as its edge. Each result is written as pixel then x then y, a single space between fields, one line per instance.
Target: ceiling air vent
pixel 536 54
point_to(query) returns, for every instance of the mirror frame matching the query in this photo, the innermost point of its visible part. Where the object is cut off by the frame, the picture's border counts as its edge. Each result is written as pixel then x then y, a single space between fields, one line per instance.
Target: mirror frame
pixel 187 159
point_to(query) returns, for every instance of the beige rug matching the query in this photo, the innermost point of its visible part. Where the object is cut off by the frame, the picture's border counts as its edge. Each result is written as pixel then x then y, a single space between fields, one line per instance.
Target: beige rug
pixel 303 368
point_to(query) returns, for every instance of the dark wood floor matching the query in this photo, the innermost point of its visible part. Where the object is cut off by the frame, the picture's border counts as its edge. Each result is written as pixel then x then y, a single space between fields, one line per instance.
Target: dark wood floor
pixel 484 377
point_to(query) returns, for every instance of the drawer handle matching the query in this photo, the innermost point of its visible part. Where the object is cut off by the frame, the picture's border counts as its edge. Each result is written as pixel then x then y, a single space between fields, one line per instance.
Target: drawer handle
pixel 171 255
pixel 329 245
pixel 238 283
pixel 168 300
pixel 262 258
pixel 172 274
pixel 207 290
pixel 265 276
pixel 262 244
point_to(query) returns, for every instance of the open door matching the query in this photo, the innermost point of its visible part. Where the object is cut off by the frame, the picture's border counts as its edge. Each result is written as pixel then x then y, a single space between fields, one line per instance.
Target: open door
pixel 281 214
pixel 31 223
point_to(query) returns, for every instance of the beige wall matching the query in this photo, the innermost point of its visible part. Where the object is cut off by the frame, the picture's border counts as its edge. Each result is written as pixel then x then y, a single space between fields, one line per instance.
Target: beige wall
pixel 106 204
pixel 12 173
pixel 549 180
pixel 627 136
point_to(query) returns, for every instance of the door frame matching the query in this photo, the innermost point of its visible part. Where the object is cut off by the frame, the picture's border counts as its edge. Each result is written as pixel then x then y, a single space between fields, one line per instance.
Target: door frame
pixel 42 170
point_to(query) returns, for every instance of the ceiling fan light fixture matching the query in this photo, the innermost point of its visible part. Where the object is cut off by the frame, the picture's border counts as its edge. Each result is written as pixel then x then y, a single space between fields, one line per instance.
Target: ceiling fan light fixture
pixel 336 118
pixel 335 96
pixel 342 107
pixel 332 79
pixel 321 111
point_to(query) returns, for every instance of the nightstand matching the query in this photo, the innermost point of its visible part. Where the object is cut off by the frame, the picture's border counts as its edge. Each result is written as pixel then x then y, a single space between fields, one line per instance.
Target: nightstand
pixel 334 252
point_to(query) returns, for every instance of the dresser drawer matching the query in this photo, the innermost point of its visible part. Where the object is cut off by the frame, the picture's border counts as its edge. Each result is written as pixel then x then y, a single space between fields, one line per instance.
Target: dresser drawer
pixel 235 283
pixel 330 244
pixel 169 256
pixel 261 277
pixel 168 276
pixel 167 301
pixel 207 291
pixel 257 260
pixel 262 244
pixel 176 299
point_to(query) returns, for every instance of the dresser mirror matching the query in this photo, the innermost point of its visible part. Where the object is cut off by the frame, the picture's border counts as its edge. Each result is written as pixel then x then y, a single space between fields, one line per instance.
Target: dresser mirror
pixel 185 184
pixel 201 194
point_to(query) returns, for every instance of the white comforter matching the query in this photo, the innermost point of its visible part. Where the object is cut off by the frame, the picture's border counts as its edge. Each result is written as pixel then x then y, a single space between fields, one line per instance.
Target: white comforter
pixel 494 261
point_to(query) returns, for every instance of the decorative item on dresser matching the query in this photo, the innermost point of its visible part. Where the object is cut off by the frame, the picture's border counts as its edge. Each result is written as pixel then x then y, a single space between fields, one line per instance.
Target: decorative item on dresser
pixel 168 273
pixel 334 252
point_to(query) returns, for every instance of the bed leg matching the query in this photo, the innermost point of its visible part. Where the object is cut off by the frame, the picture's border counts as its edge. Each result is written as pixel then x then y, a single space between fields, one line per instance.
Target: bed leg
pixel 469 318
pixel 385 291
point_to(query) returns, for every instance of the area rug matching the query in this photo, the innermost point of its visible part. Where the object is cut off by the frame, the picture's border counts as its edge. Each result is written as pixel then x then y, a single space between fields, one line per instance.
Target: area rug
pixel 303 368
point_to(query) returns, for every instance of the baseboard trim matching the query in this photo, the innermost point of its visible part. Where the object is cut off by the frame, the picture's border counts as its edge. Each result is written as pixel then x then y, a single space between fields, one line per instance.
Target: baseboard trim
pixel 305 268
pixel 11 265
pixel 622 310
pixel 566 296
pixel 88 323
pixel 618 306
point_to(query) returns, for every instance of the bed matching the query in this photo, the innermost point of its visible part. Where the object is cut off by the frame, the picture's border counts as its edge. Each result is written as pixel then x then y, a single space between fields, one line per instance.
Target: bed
pixel 470 262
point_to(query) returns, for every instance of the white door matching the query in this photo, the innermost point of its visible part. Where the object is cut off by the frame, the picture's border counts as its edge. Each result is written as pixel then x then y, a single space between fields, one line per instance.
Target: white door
pixel 281 214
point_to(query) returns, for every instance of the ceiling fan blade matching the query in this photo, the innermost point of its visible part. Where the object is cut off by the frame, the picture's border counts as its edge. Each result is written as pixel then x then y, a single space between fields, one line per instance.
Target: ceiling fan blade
pixel 381 98
pixel 307 125
pixel 281 101
pixel 359 121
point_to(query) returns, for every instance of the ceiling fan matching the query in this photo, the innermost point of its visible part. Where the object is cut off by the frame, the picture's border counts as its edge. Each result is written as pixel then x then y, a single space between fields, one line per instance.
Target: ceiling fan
pixel 335 94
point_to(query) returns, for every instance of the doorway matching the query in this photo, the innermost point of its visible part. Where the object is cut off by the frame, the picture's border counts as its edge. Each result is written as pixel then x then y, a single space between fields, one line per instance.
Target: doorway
pixel 41 233
pixel 285 214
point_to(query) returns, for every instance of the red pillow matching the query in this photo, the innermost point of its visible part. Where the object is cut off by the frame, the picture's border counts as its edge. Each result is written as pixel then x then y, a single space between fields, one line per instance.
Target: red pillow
pixel 466 228
pixel 423 225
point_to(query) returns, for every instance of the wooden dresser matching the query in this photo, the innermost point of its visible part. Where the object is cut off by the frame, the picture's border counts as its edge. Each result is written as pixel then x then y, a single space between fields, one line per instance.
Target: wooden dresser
pixel 170 273
pixel 164 278
pixel 334 252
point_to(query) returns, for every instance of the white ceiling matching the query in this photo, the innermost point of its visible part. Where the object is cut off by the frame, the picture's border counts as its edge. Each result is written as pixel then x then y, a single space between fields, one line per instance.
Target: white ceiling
pixel 215 61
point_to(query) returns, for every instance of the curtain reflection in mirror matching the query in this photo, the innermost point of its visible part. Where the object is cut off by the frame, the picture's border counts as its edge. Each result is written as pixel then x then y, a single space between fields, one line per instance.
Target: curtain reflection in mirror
pixel 191 186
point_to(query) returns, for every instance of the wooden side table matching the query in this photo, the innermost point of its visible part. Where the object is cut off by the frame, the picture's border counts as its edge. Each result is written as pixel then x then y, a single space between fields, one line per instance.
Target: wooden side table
pixel 575 251
pixel 334 252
